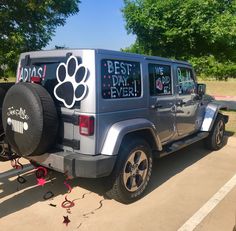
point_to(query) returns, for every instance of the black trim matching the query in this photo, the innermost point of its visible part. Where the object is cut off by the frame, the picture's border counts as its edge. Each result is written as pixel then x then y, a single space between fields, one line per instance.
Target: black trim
pixel 79 165
pixel 73 119
pixel 226 118
pixel 27 60
pixel 6 86
pixel 75 144
pixel 68 54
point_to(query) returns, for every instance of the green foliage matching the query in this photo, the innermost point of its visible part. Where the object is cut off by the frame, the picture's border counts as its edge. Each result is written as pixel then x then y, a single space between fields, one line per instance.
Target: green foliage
pixel 136 48
pixel 3 72
pixel 204 29
pixel 209 67
pixel 29 25
pixel 183 28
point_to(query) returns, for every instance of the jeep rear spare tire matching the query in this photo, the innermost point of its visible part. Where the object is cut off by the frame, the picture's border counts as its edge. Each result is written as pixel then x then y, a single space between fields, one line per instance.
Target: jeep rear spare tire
pixel 2 95
pixel 29 119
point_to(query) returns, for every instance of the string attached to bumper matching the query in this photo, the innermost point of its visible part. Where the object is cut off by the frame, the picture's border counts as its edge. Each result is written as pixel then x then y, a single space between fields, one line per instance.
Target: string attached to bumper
pixel 67 204
pixel 41 172
pixel 15 163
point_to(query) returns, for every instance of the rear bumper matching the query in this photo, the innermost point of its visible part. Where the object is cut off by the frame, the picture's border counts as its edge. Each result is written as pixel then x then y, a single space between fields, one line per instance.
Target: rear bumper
pixel 89 166
pixel 77 165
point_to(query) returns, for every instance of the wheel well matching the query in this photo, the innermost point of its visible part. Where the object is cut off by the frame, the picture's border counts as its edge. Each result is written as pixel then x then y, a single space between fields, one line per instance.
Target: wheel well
pixel 226 118
pixel 145 134
pixel 219 114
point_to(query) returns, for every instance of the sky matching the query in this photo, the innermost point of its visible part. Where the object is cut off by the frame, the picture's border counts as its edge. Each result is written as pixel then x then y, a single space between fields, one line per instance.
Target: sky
pixel 99 24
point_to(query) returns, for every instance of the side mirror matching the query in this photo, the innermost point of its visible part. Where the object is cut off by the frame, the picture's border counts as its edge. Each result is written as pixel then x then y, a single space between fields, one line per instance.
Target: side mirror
pixel 201 89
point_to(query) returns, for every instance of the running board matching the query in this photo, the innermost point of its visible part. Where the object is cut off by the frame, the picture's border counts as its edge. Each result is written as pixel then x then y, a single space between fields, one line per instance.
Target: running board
pixel 183 143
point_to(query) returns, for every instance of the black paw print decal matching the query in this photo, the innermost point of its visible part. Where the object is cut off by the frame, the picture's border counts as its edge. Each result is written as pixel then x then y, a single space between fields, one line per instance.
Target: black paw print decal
pixel 71 85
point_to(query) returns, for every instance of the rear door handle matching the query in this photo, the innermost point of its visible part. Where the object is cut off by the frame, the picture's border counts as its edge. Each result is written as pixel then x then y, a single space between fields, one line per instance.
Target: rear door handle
pixel 180 103
pixel 156 105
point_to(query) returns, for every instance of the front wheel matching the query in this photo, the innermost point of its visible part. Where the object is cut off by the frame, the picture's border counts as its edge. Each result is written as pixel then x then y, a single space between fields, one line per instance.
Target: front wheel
pixel 132 172
pixel 215 139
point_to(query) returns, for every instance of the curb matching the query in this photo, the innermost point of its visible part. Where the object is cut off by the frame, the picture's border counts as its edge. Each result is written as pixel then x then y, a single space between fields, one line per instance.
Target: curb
pixel 225 97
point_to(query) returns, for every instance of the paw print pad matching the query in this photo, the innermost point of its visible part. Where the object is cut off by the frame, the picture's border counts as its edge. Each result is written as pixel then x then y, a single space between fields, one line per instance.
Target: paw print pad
pixel 71 78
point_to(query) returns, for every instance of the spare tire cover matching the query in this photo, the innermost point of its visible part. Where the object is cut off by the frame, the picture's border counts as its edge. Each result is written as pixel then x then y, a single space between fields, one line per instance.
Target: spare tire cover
pixel 2 95
pixel 29 119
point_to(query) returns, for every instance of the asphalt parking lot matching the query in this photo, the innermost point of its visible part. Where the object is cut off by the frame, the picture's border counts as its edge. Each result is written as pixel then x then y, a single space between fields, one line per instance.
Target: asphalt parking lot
pixel 193 189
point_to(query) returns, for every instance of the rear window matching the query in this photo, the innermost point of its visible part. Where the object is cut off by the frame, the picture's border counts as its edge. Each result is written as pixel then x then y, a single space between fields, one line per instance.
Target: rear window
pixel 45 69
pixel 120 79
pixel 42 68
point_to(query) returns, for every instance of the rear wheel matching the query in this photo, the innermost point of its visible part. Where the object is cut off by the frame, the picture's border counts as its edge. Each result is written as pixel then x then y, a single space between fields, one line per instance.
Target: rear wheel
pixel 132 172
pixel 216 137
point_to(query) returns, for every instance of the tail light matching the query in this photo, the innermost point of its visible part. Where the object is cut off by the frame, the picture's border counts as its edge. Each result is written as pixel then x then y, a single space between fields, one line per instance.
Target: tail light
pixel 86 125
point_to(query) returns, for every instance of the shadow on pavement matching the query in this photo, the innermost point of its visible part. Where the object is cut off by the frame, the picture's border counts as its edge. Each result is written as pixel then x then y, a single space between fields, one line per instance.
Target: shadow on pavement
pixel 173 164
pixel 29 193
pixel 229 133
pixel 163 169
pixel 169 166
pixel 20 196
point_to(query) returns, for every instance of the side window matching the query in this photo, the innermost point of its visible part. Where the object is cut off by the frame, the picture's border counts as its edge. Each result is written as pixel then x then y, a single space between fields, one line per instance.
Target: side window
pixel 120 79
pixel 186 81
pixel 159 79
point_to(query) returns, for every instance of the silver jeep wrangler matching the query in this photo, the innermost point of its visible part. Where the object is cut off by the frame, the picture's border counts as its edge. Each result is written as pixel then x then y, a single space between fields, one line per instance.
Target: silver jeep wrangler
pixel 97 113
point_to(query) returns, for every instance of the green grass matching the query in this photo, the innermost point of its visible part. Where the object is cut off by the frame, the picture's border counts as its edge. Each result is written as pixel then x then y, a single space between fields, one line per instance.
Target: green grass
pixel 231 125
pixel 220 87
pixel 224 88
pixel 9 80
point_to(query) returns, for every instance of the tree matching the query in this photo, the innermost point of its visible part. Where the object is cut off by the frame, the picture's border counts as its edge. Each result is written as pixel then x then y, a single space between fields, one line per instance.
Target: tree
pixel 183 29
pixel 29 25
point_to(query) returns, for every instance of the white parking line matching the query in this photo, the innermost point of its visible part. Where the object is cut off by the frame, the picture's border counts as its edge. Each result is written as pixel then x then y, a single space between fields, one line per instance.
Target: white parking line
pixel 196 219
pixel 14 172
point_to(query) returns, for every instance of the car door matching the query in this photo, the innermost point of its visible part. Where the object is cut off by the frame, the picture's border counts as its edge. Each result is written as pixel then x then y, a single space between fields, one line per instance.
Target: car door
pixel 162 99
pixel 187 103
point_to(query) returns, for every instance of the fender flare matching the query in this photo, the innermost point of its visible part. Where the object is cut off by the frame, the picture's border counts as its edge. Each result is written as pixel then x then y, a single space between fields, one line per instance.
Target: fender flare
pixel 118 130
pixel 211 113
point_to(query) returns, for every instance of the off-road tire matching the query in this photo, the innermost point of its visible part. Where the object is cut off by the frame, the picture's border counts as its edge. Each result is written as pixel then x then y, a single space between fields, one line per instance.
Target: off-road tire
pixel 119 190
pixel 215 140
pixel 30 119
pixel 2 95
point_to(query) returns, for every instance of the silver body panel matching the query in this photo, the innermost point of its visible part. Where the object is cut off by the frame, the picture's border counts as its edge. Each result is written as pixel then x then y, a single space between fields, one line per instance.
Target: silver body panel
pixel 211 111
pixel 166 120
pixel 118 130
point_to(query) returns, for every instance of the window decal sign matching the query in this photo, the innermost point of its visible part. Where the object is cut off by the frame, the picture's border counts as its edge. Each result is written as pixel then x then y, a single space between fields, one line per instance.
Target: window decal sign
pixel 71 77
pixel 186 81
pixel 120 79
pixel 26 73
pixel 159 79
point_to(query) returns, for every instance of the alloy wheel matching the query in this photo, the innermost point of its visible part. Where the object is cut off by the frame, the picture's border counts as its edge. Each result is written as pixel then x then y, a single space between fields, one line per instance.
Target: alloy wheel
pixel 135 171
